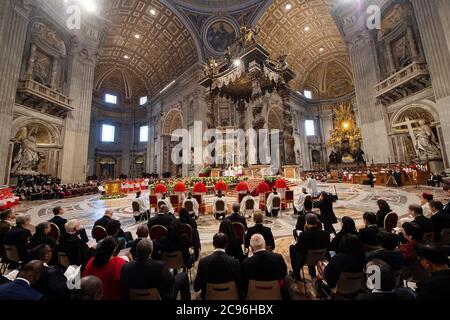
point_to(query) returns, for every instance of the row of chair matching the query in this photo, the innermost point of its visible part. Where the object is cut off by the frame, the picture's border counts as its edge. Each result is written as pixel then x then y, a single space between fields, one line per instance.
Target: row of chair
pixel 257 290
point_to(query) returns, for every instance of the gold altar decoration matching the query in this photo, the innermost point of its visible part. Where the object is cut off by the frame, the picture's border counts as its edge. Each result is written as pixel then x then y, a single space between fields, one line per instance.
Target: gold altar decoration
pixel 112 188
pixel 346 137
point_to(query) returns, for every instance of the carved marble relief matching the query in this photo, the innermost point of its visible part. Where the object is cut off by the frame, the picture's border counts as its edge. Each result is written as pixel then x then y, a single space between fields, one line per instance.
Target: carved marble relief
pixel 401 53
pixel 49 37
pixel 41 68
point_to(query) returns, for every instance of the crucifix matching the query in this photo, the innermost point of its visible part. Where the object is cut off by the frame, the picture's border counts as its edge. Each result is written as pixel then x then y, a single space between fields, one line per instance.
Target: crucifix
pixel 409 124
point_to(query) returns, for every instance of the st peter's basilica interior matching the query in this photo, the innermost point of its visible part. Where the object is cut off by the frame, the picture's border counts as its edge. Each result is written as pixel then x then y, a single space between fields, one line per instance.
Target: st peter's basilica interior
pixel 224 149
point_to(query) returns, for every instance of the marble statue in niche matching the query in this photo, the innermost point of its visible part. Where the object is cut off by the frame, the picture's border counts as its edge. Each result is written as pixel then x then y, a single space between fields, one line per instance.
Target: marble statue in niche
pixel 26 157
pixel 426 143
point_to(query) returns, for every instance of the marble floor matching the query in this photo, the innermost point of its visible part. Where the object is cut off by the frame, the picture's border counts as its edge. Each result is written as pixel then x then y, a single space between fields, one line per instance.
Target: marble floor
pixel 353 201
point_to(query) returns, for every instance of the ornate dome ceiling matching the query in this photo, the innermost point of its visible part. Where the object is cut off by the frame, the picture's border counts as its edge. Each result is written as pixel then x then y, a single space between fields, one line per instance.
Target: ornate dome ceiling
pixel 308 33
pixel 149 43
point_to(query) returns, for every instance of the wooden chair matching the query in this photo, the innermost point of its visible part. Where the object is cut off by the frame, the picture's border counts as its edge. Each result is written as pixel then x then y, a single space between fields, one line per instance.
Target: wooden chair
pixel 289 198
pixel 239 229
pixel 187 230
pixel 445 237
pixel 63 260
pixel 220 208
pixel 157 232
pixel 175 202
pixel 144 295
pixel 201 204
pixel 222 291
pixel 249 207
pixel 312 259
pixel 349 284
pixel 99 233
pixel 189 206
pixel 263 290
pixel 390 221
pixel 12 254
pixel 173 260
pixel 137 212
pixel 428 237
pixel 276 206
pixel 55 233
pixel 153 203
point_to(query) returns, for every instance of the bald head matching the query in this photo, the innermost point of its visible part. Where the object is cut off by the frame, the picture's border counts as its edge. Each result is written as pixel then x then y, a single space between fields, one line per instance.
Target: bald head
pixel 31 271
pixel 236 207
pixel 257 242
pixel 91 288
pixel 109 213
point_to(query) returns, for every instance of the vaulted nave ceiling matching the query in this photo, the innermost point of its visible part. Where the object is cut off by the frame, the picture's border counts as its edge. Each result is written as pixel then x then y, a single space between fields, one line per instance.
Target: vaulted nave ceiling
pixel 149 43
pixel 147 40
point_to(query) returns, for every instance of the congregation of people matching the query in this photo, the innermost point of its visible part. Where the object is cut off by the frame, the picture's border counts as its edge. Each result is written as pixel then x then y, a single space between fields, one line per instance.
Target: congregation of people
pixel 44 187
pixel 119 266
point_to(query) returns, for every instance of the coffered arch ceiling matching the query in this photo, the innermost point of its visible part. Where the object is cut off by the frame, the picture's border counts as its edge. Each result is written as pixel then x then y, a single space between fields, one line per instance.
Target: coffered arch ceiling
pixel 331 78
pixel 308 33
pixel 164 50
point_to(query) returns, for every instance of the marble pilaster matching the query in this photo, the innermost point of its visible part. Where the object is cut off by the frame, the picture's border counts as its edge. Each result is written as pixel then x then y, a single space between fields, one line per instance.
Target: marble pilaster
pixel 352 23
pixel 76 139
pixel 435 35
pixel 13 29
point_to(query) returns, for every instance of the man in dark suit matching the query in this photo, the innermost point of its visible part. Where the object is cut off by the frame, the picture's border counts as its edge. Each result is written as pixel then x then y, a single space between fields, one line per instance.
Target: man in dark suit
pixel 218 267
pixel 436 287
pixel 19 289
pixel 19 236
pixel 440 219
pixel 263 265
pixel 388 253
pixel 106 219
pixel 416 211
pixel 162 218
pixel 236 216
pixel 52 282
pixel 368 235
pixel 59 220
pixel 145 273
pixel 75 248
pixel 259 228
pixel 313 238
